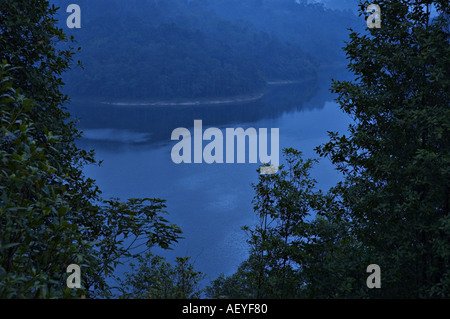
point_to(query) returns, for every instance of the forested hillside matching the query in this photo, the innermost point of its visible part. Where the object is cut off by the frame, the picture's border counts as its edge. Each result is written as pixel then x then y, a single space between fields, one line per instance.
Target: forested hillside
pixel 194 49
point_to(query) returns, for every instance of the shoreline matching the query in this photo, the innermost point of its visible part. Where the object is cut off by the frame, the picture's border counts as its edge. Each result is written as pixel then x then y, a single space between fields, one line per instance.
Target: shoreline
pixel 204 101
pixel 215 101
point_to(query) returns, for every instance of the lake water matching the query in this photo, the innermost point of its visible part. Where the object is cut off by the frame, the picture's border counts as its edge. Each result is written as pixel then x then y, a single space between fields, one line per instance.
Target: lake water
pixel 210 202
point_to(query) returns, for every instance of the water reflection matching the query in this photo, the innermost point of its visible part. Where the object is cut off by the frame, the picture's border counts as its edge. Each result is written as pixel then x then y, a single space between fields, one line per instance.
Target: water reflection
pixel 155 123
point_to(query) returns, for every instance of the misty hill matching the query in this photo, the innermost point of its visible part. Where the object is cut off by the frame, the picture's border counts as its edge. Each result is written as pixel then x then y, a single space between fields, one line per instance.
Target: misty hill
pixel 153 49
pixel 319 30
